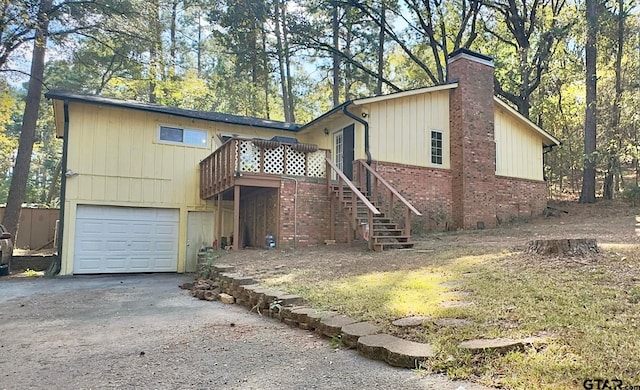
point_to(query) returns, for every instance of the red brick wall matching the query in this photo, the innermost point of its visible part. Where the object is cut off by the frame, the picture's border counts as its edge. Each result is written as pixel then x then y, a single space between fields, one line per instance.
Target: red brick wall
pixel 519 198
pixel 312 212
pixel 472 142
pixel 427 189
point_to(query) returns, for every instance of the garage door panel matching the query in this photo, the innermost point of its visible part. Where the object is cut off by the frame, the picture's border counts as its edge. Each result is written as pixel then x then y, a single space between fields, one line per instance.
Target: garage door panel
pixel 165 229
pixel 116 246
pixel 125 239
pixel 115 264
pixel 165 247
pixel 141 246
pixel 91 227
pixel 163 263
pixel 116 227
pixel 91 264
pixel 141 263
pixel 165 215
pixel 91 246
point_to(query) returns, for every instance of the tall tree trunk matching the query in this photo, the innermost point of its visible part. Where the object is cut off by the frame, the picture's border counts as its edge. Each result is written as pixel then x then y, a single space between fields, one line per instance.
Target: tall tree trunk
pixel 265 72
pixel 18 187
pixel 335 28
pixel 287 62
pixel 588 193
pixel 173 44
pixel 199 44
pixel 348 69
pixel 383 22
pixel 54 183
pixel 281 64
pixel 155 51
pixel 613 165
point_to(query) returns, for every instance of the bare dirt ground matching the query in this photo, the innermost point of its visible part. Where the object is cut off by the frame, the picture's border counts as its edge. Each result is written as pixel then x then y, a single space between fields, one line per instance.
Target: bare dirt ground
pixel 612 223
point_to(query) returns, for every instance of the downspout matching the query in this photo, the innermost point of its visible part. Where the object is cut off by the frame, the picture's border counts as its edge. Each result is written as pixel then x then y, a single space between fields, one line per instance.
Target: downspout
pixel 366 141
pixel 63 188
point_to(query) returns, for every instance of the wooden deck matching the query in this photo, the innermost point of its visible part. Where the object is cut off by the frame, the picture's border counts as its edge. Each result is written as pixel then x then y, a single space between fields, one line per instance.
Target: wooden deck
pixel 258 163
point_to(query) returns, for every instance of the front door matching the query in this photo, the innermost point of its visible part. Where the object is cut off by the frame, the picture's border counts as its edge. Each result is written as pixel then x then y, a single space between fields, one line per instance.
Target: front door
pixel 343 147
pixel 199 234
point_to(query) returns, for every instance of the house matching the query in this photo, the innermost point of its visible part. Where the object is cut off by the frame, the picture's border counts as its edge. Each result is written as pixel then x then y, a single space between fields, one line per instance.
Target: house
pixel 147 186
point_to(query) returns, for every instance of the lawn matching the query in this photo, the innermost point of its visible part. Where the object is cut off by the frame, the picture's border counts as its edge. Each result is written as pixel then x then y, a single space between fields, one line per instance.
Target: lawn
pixel 586 308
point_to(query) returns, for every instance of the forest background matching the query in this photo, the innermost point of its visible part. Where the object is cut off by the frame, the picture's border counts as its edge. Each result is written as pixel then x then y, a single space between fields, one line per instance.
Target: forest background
pixel 292 60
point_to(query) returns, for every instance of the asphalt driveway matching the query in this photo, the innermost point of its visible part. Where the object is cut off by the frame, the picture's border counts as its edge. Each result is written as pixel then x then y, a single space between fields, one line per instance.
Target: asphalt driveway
pixel 141 331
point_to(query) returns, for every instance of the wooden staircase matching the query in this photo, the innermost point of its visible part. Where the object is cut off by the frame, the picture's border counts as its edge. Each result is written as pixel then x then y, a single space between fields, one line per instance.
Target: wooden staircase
pixel 384 233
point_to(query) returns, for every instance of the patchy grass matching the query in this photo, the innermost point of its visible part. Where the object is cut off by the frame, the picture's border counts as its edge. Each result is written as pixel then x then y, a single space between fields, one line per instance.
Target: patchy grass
pixel 588 308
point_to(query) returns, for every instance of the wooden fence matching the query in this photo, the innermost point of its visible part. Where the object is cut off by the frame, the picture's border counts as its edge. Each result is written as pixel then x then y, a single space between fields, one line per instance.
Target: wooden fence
pixel 37 228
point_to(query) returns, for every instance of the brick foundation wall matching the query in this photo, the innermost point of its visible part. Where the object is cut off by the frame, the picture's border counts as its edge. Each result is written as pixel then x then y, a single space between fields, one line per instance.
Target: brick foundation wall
pixel 313 214
pixel 472 140
pixel 427 189
pixel 519 198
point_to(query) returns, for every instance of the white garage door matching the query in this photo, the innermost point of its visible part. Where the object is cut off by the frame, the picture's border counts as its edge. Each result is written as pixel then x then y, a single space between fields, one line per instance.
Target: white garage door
pixel 125 239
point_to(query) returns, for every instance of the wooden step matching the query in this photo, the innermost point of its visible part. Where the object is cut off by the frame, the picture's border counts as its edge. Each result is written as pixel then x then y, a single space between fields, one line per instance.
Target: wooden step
pixel 391 239
pixel 379 247
pixel 387 232
pixel 381 225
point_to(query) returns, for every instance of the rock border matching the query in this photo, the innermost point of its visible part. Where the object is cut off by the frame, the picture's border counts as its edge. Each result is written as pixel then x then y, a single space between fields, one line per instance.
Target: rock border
pixel 363 336
pixel 290 309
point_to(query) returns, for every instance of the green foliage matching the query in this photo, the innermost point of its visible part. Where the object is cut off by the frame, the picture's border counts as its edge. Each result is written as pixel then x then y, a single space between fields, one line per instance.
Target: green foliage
pixel 31 273
pixel 211 255
pixel 336 342
pixel 632 195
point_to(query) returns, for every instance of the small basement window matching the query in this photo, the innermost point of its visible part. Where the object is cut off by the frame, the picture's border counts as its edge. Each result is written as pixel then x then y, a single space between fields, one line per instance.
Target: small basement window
pixel 179 135
pixel 436 147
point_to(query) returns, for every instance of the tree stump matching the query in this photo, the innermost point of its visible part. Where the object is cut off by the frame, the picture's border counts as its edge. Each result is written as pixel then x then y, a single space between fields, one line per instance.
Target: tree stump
pixel 564 247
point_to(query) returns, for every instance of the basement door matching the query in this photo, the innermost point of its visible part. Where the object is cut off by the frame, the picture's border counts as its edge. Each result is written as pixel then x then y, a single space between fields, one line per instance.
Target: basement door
pixel 112 239
pixel 343 150
pixel 199 234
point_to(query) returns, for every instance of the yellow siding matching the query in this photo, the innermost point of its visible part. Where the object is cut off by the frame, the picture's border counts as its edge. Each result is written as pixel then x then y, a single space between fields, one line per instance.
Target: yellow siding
pixel 119 162
pixel 400 129
pixel 518 149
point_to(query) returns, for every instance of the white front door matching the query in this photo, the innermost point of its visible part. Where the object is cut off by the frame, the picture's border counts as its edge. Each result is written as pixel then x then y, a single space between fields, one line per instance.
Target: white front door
pixel 112 239
pixel 199 234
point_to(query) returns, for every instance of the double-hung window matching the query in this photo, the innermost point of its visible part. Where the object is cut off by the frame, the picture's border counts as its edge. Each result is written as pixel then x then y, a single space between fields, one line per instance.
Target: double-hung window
pixel 436 147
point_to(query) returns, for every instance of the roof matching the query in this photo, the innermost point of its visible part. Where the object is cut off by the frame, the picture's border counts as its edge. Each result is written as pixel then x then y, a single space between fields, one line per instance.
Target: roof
pixel 373 99
pixel 548 139
pixel 192 114
pixel 406 93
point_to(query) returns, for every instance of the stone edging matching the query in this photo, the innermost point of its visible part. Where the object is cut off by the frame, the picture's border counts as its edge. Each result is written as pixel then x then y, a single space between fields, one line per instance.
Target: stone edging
pixel 363 336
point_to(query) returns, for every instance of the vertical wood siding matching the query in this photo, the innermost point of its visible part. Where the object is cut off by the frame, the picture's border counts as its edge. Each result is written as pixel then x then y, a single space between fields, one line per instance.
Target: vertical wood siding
pixel 518 149
pixel 400 129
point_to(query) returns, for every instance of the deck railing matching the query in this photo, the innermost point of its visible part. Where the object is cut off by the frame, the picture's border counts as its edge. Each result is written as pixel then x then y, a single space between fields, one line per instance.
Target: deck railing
pixel 351 203
pixel 384 194
pixel 239 157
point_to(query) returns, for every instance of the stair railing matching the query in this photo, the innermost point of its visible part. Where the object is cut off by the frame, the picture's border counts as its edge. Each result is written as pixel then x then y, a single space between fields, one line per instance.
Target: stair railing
pixel 357 195
pixel 380 187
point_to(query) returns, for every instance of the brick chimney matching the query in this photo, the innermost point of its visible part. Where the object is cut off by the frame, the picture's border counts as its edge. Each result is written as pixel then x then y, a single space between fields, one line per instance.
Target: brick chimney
pixel 473 152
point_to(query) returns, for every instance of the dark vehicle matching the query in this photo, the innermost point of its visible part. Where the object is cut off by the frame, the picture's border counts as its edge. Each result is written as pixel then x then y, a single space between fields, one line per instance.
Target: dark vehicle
pixel 6 251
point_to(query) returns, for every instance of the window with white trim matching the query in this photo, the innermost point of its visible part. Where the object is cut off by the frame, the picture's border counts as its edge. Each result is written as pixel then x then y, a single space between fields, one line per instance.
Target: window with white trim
pixel 436 147
pixel 178 135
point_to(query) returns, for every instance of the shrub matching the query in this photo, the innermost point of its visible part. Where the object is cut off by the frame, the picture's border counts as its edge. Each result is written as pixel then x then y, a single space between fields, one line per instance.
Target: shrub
pixel 632 195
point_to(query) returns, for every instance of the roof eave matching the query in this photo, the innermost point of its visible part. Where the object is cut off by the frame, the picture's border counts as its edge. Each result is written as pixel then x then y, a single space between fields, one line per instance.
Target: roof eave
pixel 408 93
pixel 191 114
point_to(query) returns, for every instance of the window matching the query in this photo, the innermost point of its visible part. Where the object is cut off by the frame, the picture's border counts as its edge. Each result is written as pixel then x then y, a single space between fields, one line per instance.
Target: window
pixel 184 136
pixel 436 147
